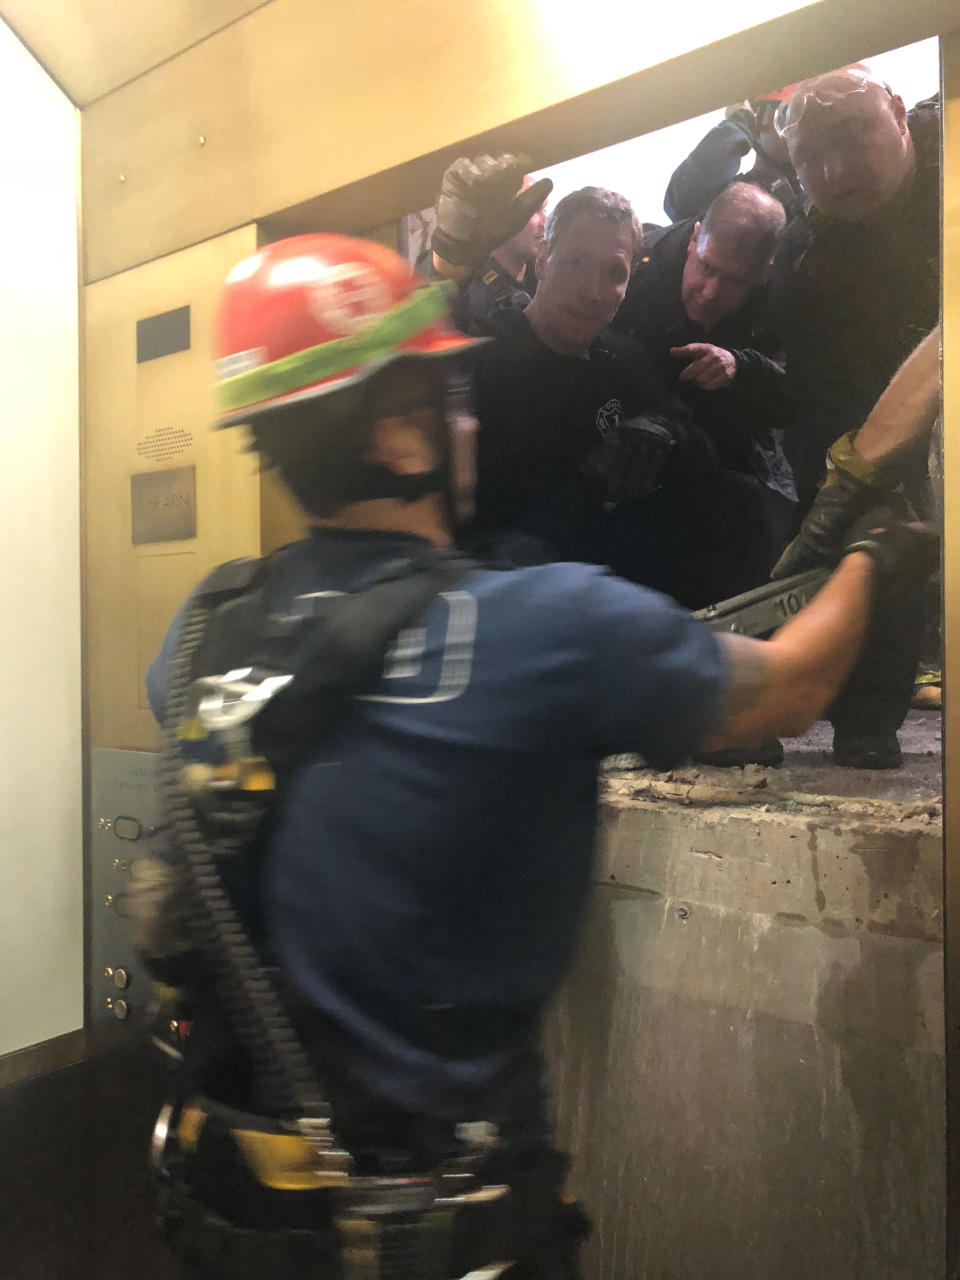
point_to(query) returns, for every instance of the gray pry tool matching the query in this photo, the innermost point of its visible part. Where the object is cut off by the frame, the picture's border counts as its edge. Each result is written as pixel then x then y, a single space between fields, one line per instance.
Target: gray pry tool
pixel 757 612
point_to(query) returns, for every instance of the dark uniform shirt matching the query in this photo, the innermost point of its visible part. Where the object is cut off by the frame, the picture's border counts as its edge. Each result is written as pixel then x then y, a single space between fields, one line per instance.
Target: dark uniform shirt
pixel 541 415
pixel 853 300
pixel 429 866
pixel 480 299
pixel 744 420
pixel 491 290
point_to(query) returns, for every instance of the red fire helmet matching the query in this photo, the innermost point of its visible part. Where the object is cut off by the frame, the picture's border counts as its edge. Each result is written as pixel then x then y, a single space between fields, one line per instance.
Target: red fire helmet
pixel 312 314
pixel 777 95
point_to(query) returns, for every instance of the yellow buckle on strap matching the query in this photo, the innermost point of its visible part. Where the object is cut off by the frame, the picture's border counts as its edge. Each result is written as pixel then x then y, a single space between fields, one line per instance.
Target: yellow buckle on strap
pixel 283 1161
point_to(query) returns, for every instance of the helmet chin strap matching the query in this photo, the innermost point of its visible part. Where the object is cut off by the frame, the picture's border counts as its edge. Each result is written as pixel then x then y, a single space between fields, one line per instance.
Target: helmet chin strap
pixel 371 480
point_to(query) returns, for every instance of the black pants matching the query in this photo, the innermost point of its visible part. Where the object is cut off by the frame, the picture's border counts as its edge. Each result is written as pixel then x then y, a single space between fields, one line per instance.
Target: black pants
pixel 701 542
pixel 556 1261
pixel 878 692
pixel 222 1224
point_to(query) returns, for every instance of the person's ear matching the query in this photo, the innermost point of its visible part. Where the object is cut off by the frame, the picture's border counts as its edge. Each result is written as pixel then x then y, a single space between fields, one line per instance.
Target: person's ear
pixel 401 446
pixel 694 236
pixel 899 109
pixel 540 262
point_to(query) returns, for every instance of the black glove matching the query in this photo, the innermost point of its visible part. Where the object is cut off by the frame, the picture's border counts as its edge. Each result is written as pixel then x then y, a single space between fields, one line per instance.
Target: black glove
pixel 744 118
pixel 904 554
pixel 839 504
pixel 481 206
pixel 852 487
pixel 641 454
pixel 630 461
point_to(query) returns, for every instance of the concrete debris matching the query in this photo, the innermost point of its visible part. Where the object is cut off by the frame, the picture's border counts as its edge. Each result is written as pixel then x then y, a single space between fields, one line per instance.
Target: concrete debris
pixel 808 779
pixel 693 786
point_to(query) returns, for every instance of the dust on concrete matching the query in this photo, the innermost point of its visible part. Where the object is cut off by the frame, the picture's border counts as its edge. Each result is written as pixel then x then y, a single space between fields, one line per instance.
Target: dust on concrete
pixel 808 778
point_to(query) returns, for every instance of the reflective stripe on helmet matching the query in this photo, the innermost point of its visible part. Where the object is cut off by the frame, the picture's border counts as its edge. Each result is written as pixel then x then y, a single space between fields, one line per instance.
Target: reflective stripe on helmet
pixel 380 338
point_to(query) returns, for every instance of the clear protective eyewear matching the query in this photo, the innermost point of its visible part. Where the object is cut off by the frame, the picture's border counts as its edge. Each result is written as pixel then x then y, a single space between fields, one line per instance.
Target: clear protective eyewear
pixel 790 113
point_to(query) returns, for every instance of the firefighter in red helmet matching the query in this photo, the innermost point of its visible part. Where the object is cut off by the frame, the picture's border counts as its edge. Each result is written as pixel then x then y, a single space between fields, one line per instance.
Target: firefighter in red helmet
pixel 381 786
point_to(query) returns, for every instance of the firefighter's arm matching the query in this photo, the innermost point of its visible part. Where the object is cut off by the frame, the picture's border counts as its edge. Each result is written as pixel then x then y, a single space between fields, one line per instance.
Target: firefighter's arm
pixel 902 417
pixel 864 466
pixel 781 686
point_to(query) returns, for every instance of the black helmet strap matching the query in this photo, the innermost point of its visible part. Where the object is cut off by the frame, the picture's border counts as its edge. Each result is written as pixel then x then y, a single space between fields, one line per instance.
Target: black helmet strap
pixel 368 480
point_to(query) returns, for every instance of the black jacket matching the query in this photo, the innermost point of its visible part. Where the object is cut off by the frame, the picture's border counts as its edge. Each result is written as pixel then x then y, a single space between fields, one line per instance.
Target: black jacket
pixel 489 291
pixel 745 419
pixel 711 167
pixel 853 300
pixel 541 415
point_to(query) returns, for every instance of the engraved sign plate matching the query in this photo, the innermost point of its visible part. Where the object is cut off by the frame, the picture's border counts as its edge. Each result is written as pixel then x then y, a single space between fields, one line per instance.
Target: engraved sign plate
pixel 163 505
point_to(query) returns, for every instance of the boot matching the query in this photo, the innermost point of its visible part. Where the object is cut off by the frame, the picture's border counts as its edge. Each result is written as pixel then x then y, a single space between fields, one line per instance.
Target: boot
pixel 877 750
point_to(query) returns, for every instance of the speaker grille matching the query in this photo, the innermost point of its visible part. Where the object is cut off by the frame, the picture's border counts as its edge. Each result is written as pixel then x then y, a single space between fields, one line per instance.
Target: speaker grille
pixel 164 443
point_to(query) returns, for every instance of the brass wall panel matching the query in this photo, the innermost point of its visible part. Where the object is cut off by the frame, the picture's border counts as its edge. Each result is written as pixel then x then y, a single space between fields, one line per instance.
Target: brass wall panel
pixel 163 583
pixel 951 596
pixel 94 46
pixel 146 171
pixel 360 105
pixel 131 592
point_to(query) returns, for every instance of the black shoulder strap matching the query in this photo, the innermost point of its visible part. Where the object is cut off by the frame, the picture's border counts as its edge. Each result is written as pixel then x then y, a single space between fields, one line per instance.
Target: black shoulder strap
pixel 234 578
pixel 347 637
pixel 341 650
pixel 334 654
pixel 366 621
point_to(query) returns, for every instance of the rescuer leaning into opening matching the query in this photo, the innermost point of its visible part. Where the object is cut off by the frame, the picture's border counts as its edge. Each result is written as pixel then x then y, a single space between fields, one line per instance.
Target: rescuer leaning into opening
pixel 381 765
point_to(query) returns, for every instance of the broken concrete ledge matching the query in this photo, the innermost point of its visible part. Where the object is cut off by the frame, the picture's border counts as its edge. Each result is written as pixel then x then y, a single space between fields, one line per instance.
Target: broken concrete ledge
pixel 748 1054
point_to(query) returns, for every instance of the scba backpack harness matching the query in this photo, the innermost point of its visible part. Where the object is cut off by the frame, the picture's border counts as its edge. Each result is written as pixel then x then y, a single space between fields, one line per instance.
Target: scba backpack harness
pixel 250 695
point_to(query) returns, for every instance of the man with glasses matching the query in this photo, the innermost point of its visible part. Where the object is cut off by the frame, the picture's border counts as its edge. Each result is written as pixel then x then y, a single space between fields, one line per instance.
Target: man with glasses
pixel 858 281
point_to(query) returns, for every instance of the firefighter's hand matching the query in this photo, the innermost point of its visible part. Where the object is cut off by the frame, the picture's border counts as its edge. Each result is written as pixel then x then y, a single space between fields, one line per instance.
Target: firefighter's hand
pixel 711 368
pixel 642 454
pixel 744 117
pixel 839 503
pixel 481 206
pixel 904 553
pixel 631 460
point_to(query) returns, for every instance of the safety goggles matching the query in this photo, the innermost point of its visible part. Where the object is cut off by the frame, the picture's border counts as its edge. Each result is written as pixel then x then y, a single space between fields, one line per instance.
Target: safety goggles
pixel 789 114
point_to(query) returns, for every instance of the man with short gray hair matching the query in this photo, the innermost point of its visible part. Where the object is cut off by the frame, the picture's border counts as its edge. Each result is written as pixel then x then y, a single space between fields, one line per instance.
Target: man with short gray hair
pixel 577 430
pixel 698 302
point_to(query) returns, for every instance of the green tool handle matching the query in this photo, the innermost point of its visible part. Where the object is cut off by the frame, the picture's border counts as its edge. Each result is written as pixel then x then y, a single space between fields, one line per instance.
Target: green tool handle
pixel 758 612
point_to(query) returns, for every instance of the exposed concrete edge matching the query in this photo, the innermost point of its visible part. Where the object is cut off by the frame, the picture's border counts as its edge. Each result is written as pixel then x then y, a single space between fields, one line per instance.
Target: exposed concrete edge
pixel 756 789
pixel 851 876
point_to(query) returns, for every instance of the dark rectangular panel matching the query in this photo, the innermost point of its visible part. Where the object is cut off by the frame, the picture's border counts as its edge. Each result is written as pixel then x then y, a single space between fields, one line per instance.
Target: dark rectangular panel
pixel 163 334
pixel 163 505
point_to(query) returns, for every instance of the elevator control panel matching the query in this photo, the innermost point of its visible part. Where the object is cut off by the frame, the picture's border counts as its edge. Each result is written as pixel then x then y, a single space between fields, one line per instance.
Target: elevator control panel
pixel 125 810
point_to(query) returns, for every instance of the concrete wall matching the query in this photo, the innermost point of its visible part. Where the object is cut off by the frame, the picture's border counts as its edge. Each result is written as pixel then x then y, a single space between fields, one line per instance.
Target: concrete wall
pixel 748 1057
pixel 41 903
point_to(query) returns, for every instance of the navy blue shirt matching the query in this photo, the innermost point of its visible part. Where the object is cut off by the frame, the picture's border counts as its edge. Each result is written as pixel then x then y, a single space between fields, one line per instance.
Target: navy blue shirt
pixel 428 871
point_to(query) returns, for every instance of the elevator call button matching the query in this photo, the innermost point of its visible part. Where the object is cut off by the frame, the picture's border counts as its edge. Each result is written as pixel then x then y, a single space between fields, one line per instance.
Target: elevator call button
pixel 125 828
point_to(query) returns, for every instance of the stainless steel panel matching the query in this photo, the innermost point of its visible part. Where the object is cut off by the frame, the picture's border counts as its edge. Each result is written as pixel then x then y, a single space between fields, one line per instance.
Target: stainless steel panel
pixel 125 809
